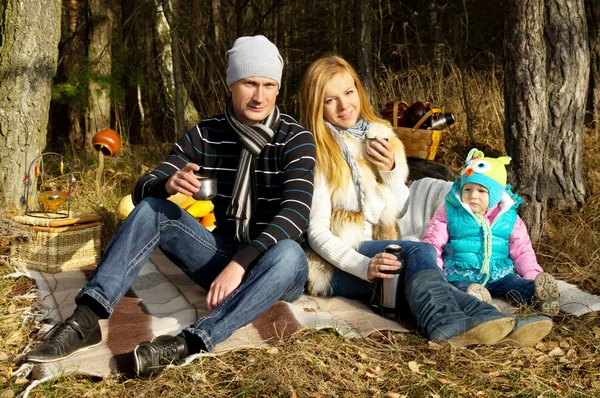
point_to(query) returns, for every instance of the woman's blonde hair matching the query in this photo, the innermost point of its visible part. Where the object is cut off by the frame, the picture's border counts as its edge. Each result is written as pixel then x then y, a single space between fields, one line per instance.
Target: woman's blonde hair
pixel 330 159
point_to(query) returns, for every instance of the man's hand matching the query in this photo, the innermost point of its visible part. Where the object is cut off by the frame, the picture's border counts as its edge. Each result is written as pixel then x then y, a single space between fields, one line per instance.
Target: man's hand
pixel 226 282
pixel 184 181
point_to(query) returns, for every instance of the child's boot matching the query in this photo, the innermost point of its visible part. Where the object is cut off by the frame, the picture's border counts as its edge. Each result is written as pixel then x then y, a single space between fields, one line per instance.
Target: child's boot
pixel 481 293
pixel 546 294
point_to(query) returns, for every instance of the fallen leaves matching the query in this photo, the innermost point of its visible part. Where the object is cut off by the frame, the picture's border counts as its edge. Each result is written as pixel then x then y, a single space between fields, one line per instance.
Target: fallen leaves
pixel 556 352
pixel 414 367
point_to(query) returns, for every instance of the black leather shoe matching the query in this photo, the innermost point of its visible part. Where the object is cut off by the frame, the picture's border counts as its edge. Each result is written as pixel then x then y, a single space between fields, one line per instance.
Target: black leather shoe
pixel 152 356
pixel 64 340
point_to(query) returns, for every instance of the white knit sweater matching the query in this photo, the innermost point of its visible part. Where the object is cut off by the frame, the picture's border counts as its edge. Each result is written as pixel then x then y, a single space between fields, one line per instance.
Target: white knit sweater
pixel 383 202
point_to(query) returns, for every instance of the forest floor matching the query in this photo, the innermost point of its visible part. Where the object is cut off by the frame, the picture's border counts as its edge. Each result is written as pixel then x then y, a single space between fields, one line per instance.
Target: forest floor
pixel 322 363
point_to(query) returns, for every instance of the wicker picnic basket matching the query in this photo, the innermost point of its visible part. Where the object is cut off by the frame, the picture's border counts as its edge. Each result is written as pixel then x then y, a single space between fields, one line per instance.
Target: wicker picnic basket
pixel 58 245
pixel 418 143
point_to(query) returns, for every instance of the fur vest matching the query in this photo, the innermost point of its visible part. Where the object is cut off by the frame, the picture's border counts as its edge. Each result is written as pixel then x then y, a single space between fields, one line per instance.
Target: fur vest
pixel 347 221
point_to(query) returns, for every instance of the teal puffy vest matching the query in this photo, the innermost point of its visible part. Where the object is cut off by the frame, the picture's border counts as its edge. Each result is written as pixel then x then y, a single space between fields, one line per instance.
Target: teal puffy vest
pixel 463 255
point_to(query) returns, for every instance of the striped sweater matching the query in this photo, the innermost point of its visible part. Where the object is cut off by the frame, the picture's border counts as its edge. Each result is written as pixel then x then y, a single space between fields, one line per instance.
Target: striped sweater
pixel 284 179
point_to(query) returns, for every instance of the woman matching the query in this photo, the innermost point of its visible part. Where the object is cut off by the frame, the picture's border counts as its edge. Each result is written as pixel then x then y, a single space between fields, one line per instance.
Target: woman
pixel 359 194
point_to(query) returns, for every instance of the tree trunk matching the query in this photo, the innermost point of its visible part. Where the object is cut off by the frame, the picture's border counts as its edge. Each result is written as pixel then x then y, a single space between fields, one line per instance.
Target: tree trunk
pixel 362 12
pixel 148 93
pixel 526 107
pixel 281 43
pixel 215 9
pixel 100 57
pixel 72 55
pixel 28 61
pixel 436 33
pixel 166 65
pixel 177 74
pixel 593 19
pixel 567 71
pixel 132 39
pixel 239 16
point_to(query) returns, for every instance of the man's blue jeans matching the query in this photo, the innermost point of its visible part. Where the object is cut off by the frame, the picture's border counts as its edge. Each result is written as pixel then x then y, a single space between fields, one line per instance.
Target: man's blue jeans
pixel 280 274
pixel 511 286
pixel 418 255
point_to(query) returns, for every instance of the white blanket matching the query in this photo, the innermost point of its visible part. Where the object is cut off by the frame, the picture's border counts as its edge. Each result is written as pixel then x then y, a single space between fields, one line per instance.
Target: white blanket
pixel 426 197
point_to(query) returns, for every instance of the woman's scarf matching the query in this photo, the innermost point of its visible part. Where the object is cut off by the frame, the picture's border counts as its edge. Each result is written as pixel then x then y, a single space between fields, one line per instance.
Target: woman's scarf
pixel 358 131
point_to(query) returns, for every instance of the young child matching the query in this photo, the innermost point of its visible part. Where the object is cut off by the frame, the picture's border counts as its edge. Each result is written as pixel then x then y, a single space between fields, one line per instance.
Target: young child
pixel 481 241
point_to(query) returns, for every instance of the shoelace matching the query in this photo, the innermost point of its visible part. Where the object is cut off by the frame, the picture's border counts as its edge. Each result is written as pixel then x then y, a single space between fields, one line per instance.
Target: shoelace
pixel 59 330
pixel 168 352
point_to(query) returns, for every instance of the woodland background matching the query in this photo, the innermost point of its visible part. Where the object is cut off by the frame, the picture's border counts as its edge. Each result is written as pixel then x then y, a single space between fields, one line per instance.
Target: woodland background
pixel 151 69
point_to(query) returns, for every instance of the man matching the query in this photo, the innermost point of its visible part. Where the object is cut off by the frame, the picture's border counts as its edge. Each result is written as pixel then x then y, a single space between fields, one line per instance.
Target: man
pixel 263 162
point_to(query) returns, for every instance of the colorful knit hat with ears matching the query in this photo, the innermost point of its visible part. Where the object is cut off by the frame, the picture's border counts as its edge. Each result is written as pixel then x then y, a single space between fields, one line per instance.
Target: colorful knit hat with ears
pixel 489 172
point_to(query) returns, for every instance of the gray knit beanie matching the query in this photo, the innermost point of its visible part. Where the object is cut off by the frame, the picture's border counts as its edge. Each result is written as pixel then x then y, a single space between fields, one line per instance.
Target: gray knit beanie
pixel 253 56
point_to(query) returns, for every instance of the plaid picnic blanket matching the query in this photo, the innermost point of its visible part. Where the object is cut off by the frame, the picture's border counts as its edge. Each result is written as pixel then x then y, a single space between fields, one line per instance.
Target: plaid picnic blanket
pixel 163 300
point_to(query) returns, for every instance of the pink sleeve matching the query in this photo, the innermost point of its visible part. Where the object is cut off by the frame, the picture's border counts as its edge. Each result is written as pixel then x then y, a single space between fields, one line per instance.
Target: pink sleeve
pixel 521 252
pixel 436 233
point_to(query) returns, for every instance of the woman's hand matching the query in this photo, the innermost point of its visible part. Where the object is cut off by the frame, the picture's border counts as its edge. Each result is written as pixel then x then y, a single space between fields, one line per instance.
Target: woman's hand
pixel 382 262
pixel 184 181
pixel 380 154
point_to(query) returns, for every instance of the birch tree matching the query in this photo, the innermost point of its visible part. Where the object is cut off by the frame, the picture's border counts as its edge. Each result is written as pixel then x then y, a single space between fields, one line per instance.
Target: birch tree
pixel 165 62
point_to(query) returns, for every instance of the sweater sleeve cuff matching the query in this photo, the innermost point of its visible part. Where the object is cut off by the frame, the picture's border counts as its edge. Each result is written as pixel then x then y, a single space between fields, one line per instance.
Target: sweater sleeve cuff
pixel 247 255
pixel 388 176
pixel 159 190
pixel 530 275
pixel 393 179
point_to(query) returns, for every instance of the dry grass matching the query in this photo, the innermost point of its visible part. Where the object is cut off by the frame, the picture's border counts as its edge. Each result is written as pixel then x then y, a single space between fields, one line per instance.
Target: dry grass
pixel 323 364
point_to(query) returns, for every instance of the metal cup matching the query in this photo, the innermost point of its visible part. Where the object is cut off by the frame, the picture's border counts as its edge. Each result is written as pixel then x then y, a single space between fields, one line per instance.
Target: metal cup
pixel 208 189
pixel 368 141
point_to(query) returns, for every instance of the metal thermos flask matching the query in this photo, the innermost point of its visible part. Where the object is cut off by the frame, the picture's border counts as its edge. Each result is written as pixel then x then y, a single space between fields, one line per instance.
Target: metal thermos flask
pixel 389 287
pixel 384 295
pixel 441 121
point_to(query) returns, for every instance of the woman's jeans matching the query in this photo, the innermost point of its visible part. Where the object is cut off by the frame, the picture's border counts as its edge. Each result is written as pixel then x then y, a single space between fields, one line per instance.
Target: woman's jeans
pixel 512 286
pixel 279 274
pixel 418 256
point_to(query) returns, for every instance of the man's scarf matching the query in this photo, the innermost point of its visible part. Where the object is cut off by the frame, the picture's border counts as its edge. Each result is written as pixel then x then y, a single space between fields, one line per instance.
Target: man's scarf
pixel 253 138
